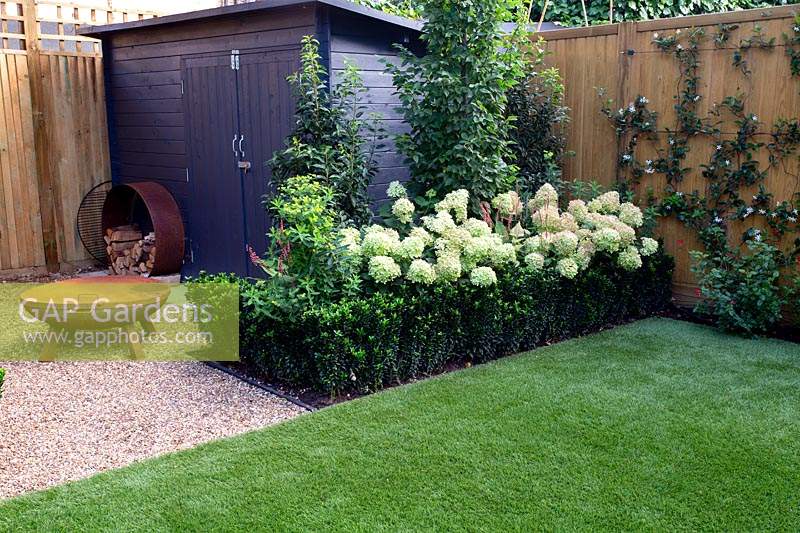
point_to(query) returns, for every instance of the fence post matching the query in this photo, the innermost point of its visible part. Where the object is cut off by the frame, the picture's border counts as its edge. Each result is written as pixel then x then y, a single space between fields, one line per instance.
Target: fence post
pixel 44 176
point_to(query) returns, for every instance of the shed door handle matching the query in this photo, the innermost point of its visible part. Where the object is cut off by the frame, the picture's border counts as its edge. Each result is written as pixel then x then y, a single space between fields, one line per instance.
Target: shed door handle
pixel 233 144
pixel 240 146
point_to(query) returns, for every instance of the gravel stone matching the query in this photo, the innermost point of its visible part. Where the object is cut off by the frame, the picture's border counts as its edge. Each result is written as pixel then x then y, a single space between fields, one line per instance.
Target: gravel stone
pixel 61 422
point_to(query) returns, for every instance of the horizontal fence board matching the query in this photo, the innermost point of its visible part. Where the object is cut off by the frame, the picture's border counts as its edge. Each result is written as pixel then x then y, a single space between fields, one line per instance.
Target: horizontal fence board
pixel 148 172
pixel 158 133
pixel 161 160
pixel 166 105
pixel 150 79
pixel 151 147
pixel 161 92
pixel 150 119
pixel 140 66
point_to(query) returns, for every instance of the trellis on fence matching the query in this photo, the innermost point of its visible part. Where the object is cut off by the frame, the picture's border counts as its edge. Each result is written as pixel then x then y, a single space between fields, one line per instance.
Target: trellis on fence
pixel 623 59
pixel 53 133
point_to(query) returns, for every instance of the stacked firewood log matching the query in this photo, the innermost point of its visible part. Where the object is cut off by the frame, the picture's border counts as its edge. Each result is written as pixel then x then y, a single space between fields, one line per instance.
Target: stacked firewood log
pixel 130 253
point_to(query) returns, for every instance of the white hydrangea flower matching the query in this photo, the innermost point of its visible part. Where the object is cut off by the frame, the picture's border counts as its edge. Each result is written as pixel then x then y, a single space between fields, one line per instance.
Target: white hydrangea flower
pixel 565 243
pixel 567 268
pixel 396 190
pixel 629 259
pixel 403 210
pixel 587 246
pixel 448 268
pixel 607 203
pixel 457 238
pixel 421 234
pixel 502 254
pixel 568 222
pixel 477 227
pixel 439 223
pixel 411 248
pixel 442 246
pixel 535 261
pixel 457 202
pixel 518 231
pixel 375 228
pixel 351 239
pixel 476 250
pixel 578 209
pixel 582 258
pixel 376 243
pixel 483 277
pixel 536 244
pixel 350 235
pixel 649 246
pixel 627 235
pixel 594 206
pixel 598 221
pixel 606 240
pixel 506 204
pixel 547 219
pixel 422 272
pixel 631 215
pixel 546 196
pixel 384 269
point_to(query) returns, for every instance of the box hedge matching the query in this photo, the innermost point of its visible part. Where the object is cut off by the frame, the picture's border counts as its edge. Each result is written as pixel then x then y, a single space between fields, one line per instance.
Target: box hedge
pixel 405 333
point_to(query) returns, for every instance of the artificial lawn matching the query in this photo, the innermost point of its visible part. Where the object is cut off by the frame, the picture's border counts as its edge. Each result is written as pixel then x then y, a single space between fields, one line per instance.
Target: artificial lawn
pixel 656 425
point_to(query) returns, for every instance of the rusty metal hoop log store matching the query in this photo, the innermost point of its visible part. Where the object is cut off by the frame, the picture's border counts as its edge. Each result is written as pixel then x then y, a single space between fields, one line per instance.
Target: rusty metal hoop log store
pixel 153 208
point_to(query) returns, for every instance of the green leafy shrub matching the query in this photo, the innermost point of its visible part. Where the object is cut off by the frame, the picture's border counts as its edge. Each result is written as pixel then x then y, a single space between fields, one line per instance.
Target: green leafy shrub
pixel 538 130
pixel 740 289
pixel 454 99
pixel 305 263
pixel 2 379
pixel 328 140
pixel 356 342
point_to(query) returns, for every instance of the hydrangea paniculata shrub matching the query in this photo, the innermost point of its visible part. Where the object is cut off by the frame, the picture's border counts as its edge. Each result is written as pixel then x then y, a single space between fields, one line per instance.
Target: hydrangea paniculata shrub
pixel 449 246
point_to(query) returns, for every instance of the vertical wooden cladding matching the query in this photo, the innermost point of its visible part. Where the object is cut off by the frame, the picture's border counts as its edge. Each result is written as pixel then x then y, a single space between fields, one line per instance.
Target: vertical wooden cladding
pixel 589 58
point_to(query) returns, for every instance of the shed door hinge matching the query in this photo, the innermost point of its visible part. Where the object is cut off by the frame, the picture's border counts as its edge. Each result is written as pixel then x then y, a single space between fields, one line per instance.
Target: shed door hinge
pixel 234 59
pixel 187 175
pixel 183 88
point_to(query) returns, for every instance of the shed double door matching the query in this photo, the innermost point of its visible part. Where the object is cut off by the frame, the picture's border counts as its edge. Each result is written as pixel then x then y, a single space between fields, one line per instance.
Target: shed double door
pixel 239 111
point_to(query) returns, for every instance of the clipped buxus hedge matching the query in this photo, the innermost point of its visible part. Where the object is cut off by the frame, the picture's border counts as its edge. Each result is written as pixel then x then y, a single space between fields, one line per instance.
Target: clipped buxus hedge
pixel 404 333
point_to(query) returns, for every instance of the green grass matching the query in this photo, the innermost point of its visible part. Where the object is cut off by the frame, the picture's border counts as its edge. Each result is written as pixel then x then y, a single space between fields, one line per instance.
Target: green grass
pixel 659 425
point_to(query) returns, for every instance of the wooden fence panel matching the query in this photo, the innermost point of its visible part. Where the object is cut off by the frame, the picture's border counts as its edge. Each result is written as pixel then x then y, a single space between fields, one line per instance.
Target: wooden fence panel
pixel 53 131
pixel 73 99
pixel 623 59
pixel 20 226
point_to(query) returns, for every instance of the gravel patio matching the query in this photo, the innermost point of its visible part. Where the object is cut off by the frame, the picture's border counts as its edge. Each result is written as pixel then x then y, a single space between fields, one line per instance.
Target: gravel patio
pixel 62 422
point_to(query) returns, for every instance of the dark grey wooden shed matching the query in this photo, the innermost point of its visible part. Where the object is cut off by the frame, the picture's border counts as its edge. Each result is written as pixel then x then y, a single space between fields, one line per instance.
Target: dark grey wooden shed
pixel 194 97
